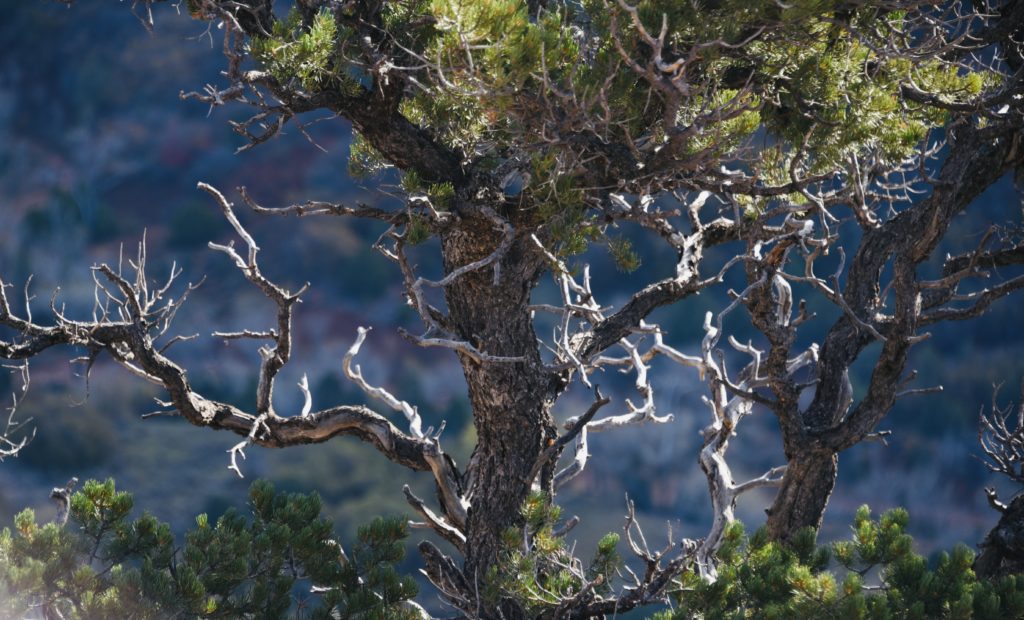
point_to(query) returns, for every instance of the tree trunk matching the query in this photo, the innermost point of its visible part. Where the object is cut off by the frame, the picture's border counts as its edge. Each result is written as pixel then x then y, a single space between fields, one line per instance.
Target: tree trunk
pixel 510 407
pixel 804 494
pixel 1002 552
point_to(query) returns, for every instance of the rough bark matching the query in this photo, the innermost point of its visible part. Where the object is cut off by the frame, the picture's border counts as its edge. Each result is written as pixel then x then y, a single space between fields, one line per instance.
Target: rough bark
pixel 495 247
pixel 489 308
pixel 804 494
pixel 1002 551
pixel 979 157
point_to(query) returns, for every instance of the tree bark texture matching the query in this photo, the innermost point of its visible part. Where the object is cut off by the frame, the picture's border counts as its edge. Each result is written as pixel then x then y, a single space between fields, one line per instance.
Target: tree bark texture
pixel 813 437
pixel 583 168
pixel 489 309
pixel 1002 551
pixel 804 494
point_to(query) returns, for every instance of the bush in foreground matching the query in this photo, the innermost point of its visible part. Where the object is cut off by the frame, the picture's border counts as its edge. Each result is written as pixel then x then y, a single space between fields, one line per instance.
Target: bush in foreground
pixel 282 561
pixel 875 575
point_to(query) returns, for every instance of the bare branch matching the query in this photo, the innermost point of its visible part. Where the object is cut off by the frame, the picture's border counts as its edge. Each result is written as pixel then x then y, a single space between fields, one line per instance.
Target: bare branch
pixel 62 495
pixel 325 208
pixel 1002 439
pixel 636 415
pixel 267 335
pixel 307 402
pixel 552 451
pixel 981 301
pixel 356 376
pixel 9 445
pixel 273 358
pixel 771 478
pixel 438 524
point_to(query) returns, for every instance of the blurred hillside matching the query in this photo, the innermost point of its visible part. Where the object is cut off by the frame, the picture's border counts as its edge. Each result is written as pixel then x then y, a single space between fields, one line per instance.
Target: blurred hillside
pixel 99 151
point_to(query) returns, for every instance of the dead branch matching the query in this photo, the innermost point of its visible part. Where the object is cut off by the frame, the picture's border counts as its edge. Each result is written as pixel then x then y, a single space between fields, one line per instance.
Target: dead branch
pixel 356 376
pixel 325 208
pixel 62 495
pixel 1001 437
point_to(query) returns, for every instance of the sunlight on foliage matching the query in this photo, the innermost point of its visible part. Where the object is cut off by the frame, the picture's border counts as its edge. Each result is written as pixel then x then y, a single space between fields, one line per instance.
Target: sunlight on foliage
pixel 878 577
pixel 105 565
pixel 538 570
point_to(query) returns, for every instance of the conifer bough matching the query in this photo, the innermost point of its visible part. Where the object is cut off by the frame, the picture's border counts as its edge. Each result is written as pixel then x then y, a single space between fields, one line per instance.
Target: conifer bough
pixel 525 133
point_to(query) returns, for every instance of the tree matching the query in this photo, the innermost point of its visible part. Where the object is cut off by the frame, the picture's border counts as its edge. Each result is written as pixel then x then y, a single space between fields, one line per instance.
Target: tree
pixel 804 138
pixel 105 565
pixel 94 563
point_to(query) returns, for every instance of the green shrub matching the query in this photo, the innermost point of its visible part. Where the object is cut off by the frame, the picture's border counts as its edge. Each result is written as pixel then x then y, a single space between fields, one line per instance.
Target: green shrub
pixel 281 561
pixel 875 575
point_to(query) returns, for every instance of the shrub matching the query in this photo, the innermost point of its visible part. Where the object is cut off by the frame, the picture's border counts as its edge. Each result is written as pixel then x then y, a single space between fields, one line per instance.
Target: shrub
pixel 874 575
pixel 281 561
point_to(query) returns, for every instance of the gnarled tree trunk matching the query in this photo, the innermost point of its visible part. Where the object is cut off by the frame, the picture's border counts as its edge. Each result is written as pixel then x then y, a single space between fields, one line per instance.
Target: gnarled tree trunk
pixel 489 308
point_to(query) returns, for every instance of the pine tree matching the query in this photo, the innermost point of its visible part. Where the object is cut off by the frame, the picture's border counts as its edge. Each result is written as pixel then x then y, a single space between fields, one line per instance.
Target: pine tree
pixel 280 562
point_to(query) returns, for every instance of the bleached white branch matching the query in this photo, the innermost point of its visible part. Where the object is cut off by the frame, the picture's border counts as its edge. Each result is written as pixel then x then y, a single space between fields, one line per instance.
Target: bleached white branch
pixel 635 415
pixel 307 404
pixel 8 446
pixel 434 521
pixel 771 478
pixel 579 461
pixel 462 347
pixel 272 358
pixel 258 425
pixel 355 374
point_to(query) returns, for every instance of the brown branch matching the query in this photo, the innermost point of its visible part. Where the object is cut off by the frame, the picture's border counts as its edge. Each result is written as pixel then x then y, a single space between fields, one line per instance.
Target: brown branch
pixel 131 344
pixel 977 159
pixel 435 522
pixel 1004 257
pixel 687 281
pixel 314 207
pixel 448 579
pixel 981 302
pixel 273 359
pixel 555 449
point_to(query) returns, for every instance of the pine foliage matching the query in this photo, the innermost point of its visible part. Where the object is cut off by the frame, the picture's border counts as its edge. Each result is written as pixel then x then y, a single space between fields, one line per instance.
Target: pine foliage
pixel 538 570
pixel 281 561
pixel 875 575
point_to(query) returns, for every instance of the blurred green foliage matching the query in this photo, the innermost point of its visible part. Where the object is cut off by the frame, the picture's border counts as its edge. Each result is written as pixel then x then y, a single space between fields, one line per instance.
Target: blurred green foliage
pixel 282 561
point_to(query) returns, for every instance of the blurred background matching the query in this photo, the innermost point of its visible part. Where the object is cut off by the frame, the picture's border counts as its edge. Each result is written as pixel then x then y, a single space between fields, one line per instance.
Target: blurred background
pixel 97 150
